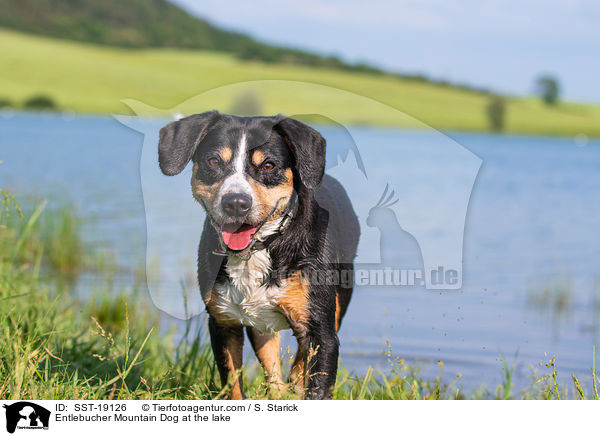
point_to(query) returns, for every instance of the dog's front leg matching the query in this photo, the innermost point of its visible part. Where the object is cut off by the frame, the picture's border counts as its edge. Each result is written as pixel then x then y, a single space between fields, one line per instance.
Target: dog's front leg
pixel 228 344
pixel 266 346
pixel 320 345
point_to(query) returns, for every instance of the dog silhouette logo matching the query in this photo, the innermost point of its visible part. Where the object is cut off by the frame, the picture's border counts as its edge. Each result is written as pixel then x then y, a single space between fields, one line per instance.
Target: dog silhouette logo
pixel 26 415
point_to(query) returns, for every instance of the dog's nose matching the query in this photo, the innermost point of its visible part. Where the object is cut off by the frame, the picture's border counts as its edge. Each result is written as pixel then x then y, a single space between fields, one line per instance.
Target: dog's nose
pixel 236 205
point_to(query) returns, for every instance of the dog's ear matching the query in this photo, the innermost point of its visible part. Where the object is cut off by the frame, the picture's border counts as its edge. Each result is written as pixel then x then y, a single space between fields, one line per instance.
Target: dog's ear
pixel 179 140
pixel 307 146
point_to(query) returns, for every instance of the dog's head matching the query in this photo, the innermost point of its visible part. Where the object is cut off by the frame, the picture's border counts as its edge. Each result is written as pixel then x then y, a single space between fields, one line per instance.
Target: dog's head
pixel 245 169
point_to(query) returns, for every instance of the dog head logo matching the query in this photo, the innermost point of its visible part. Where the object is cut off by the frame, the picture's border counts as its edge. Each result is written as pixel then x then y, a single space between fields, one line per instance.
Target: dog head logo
pixel 26 415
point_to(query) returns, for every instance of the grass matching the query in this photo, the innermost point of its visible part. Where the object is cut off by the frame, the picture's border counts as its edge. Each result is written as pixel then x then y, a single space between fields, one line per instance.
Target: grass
pixel 54 346
pixel 86 78
pixel 56 239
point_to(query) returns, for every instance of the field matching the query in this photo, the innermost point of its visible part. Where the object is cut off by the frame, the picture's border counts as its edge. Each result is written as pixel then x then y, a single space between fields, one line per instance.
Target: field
pixel 93 79
pixel 55 346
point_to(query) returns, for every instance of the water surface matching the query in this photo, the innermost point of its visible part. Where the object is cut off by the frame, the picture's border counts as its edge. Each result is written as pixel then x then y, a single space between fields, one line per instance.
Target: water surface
pixel 532 223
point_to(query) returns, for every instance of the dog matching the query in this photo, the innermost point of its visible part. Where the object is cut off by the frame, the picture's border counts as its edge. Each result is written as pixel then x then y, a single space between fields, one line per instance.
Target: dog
pixel 278 236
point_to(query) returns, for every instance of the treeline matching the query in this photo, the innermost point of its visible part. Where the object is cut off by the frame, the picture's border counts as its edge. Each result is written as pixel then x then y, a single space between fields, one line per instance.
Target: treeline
pixel 159 23
pixel 38 102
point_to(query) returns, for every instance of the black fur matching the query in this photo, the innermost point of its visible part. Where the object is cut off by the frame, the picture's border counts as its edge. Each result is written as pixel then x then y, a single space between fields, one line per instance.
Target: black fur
pixel 308 148
pixel 322 235
pixel 178 141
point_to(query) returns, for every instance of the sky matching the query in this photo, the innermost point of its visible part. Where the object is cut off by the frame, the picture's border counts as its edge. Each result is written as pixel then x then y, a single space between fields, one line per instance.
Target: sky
pixel 500 45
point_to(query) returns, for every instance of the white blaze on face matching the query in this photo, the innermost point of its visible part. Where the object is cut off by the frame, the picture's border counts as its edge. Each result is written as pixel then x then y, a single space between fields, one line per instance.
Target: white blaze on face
pixel 237 183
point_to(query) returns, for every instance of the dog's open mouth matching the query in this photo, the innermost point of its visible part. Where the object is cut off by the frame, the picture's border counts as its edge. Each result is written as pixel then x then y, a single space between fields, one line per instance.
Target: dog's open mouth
pixel 238 237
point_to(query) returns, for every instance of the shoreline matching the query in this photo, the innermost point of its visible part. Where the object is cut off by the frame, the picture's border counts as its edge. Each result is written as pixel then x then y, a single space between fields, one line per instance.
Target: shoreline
pixel 8 113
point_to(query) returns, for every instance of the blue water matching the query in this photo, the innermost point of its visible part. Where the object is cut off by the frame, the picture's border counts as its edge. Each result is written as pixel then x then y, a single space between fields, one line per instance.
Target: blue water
pixel 531 223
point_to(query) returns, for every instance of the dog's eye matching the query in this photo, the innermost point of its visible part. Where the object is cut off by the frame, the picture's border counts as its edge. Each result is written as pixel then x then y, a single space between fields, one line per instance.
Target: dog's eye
pixel 213 161
pixel 268 166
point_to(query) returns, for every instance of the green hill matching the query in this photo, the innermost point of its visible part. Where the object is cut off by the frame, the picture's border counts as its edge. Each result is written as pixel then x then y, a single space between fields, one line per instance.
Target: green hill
pixel 90 78
pixel 143 24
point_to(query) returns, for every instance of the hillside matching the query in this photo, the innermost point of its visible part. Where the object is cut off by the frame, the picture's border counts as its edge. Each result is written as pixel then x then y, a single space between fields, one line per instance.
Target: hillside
pixel 90 78
pixel 143 24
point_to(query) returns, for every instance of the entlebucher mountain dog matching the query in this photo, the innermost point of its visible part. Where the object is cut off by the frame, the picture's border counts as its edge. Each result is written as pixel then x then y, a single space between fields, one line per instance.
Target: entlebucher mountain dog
pixel 278 243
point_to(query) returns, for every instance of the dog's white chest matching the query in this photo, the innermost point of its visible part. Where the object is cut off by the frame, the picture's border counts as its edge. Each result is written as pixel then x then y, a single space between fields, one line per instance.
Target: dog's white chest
pixel 245 300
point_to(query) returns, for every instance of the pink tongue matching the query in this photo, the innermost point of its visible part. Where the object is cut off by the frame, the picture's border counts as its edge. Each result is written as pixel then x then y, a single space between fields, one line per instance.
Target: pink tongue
pixel 238 237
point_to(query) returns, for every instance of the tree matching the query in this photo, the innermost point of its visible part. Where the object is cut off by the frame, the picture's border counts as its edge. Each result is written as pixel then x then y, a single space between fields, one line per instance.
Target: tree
pixel 548 89
pixel 40 102
pixel 247 104
pixel 496 110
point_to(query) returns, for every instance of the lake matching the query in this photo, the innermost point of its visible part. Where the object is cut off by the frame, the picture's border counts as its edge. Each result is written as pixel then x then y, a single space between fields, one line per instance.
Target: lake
pixel 516 216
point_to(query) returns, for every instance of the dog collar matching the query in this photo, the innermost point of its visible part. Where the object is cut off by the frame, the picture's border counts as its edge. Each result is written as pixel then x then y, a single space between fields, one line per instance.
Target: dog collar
pixel 287 216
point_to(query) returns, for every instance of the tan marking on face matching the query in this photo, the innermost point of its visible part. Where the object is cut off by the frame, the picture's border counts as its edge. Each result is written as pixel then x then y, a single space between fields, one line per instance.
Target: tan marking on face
pixel 267 198
pixel 258 157
pixel 201 192
pixel 267 347
pixel 226 154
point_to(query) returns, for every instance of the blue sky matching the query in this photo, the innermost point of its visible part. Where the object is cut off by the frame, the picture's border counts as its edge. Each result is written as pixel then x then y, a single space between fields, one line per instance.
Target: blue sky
pixel 502 45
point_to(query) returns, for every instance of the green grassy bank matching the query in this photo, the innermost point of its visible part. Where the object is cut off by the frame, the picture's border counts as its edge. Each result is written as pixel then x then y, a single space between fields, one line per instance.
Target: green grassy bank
pixel 55 346
pixel 87 78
